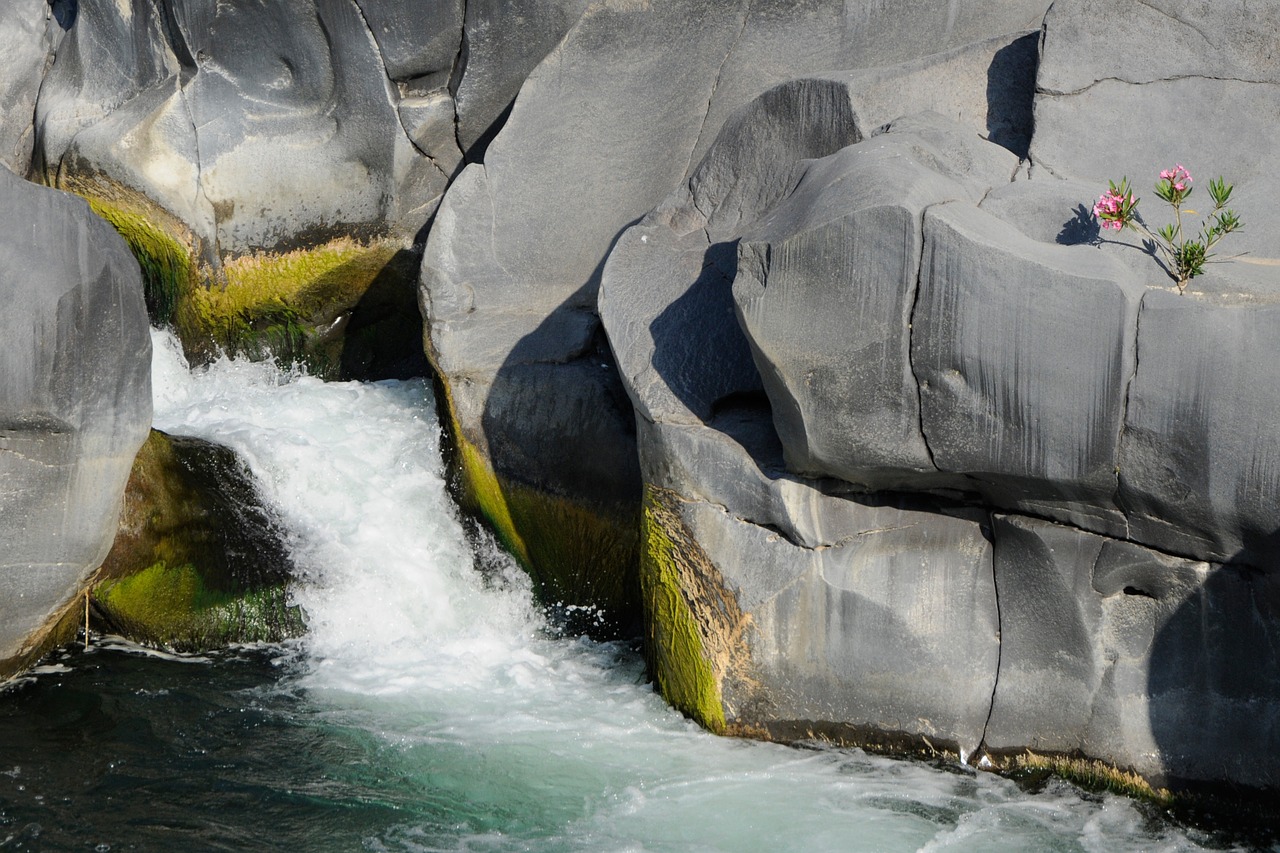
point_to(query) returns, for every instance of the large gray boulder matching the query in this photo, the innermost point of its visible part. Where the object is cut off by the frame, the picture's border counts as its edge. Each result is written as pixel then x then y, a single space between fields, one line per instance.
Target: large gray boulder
pixel 1143 660
pixel 75 403
pixel 949 353
pixel 252 124
pixel 780 604
pixel 615 119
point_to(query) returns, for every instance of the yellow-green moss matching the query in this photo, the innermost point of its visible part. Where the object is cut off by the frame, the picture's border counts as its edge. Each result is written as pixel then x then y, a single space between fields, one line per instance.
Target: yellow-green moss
pixel 275 302
pixel 164 253
pixel 483 494
pixel 196 562
pixel 172 606
pixel 683 669
pixel 578 555
pixel 1092 775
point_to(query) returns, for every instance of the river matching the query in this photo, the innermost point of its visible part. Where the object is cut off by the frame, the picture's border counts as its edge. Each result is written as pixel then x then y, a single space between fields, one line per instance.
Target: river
pixel 431 708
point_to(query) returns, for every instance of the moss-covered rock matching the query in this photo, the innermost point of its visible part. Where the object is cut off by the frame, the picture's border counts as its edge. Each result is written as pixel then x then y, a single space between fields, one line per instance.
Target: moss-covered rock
pixel 582 557
pixel 345 308
pixel 198 562
pixel 695 630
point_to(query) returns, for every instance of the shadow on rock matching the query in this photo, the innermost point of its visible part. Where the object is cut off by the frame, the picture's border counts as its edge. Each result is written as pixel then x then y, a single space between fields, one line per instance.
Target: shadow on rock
pixel 567 507
pixel 1214 677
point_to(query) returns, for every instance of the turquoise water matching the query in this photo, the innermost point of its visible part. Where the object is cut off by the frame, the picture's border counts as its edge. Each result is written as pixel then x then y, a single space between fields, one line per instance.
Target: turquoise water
pixel 430 708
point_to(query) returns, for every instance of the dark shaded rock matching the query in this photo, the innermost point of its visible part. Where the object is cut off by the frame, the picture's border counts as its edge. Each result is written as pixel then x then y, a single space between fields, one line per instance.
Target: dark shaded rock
pixel 198 562
pixel 75 403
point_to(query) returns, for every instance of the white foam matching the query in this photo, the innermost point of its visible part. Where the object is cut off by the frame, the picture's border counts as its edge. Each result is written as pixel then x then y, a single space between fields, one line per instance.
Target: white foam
pixel 541 744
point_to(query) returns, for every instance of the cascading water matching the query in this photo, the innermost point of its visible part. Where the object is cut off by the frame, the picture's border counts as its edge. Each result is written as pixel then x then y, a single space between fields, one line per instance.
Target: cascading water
pixel 428 708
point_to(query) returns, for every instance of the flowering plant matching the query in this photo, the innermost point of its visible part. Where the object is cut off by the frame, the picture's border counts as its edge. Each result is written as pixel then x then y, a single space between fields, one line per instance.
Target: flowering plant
pixel 1185 256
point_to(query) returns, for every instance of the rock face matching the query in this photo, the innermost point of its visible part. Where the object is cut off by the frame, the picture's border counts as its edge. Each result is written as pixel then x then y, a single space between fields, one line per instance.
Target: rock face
pixel 273 165
pixel 29 29
pixel 75 403
pixel 610 123
pixel 995 485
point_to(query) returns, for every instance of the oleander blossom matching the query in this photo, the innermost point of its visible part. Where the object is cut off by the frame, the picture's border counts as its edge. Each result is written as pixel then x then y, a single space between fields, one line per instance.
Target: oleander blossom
pixel 1178 177
pixel 1112 208
pixel 1182 254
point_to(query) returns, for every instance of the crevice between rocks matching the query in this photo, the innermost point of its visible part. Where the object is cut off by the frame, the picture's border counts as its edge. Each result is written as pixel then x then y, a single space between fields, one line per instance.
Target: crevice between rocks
pixel 1124 410
pixel 455 82
pixel 1055 93
pixel 911 340
pixel 1182 21
pixel 979 752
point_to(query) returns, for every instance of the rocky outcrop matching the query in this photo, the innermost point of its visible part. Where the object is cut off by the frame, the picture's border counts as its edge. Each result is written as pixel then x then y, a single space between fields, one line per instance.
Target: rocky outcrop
pixel 273 165
pixel 75 403
pixel 198 562
pixel 614 119
pixel 994 484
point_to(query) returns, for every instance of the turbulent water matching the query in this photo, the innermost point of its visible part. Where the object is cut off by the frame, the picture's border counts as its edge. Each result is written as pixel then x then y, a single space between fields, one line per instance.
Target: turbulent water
pixel 430 708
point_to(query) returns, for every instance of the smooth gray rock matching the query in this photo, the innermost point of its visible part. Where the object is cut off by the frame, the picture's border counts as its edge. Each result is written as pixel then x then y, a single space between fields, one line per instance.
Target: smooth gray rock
pixel 1024 351
pixel 780 40
pixel 1134 657
pixel 1195 83
pixel 503 41
pixel 419 39
pixel 892 632
pixel 75 401
pixel 1199 450
pixel 28 34
pixel 253 124
pixel 826 289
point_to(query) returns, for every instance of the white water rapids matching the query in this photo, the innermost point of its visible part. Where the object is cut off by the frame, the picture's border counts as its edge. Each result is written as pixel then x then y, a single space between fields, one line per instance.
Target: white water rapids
pixel 521 741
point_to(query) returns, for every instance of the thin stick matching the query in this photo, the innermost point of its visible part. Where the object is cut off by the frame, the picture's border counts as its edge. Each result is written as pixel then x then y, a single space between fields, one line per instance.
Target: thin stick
pixel 86 619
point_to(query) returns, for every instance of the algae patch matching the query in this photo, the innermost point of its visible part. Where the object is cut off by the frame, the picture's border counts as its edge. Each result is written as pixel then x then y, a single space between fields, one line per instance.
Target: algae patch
pixel 579 557
pixel 694 627
pixel 198 561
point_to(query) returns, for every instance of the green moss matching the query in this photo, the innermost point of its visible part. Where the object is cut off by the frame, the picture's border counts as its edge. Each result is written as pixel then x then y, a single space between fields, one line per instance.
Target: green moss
pixel 678 658
pixel 172 606
pixel 483 494
pixel 168 268
pixel 1089 774
pixel 275 303
pixel 577 555
pixel 197 562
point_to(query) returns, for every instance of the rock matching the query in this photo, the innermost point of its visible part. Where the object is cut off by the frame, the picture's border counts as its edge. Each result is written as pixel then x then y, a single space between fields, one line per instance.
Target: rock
pixel 628 102
pixel 266 187
pixel 1118 652
pixel 1195 84
pixel 1024 351
pixel 198 562
pixel 887 638
pixel 836 267
pixel 28 33
pixel 75 404
pixel 1199 447
pixel 502 42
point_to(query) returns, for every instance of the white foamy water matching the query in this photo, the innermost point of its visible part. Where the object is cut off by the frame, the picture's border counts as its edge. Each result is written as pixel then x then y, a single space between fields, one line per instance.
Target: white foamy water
pixel 491 735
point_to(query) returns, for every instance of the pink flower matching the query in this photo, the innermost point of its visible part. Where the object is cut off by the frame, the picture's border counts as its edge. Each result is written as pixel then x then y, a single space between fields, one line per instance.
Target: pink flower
pixel 1111 209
